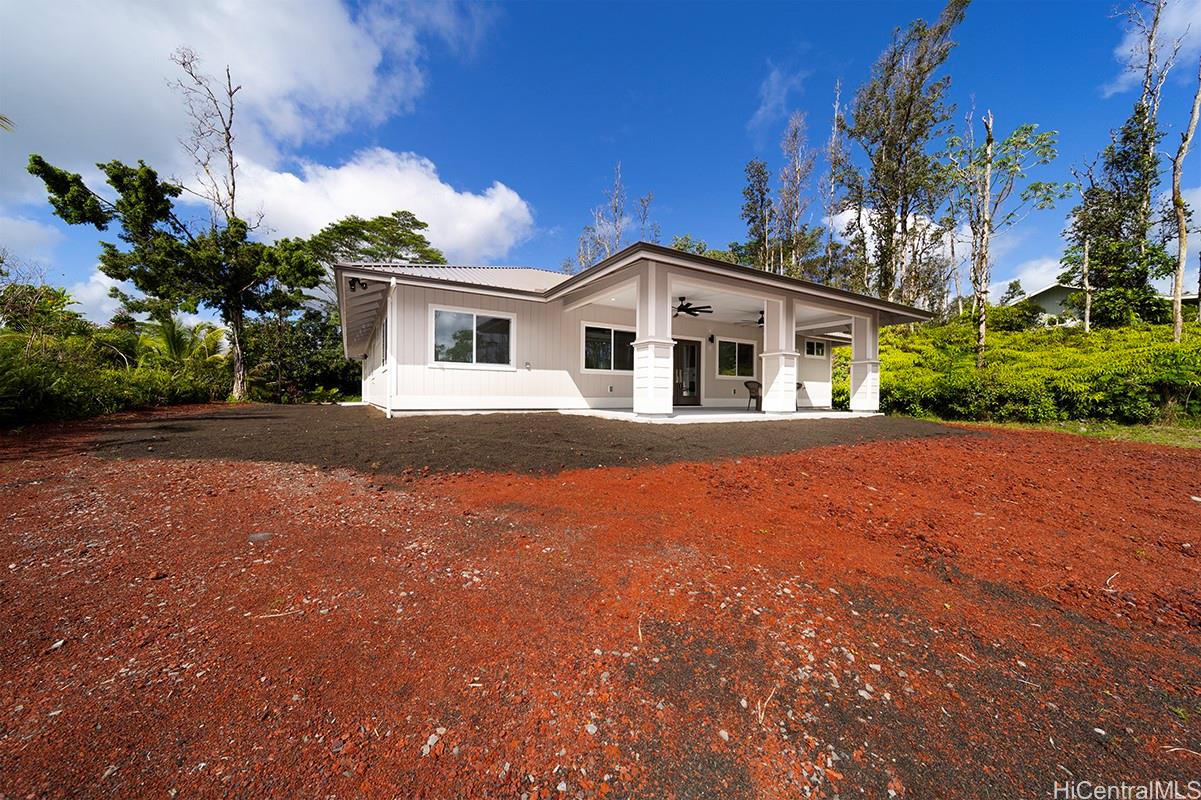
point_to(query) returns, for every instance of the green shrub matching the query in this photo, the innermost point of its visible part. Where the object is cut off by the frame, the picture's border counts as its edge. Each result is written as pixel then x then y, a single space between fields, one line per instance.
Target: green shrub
pixel 51 378
pixel 1018 317
pixel 1127 375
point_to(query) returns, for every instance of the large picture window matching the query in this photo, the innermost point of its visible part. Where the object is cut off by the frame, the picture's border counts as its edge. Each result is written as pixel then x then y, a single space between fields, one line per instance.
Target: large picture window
pixel 468 337
pixel 608 348
pixel 735 359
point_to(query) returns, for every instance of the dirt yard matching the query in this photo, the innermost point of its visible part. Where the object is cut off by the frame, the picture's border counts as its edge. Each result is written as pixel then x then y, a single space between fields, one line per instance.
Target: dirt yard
pixel 319 602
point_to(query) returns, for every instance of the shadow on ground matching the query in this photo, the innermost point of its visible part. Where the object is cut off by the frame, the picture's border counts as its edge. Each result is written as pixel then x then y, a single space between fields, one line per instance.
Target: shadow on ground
pixel 362 439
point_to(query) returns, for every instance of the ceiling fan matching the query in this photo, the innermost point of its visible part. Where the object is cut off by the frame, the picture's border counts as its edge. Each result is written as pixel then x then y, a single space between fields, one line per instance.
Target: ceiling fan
pixel 691 310
pixel 748 322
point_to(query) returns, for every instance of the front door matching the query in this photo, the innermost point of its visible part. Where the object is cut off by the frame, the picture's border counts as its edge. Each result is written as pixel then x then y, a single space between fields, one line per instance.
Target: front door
pixel 686 373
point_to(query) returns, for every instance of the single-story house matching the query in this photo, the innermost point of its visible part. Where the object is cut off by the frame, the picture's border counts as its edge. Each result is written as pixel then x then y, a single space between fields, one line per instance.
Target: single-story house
pixel 648 329
pixel 1053 300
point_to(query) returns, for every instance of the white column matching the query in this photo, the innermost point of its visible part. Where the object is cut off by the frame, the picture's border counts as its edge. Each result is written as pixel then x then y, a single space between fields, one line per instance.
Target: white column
pixel 779 356
pixel 653 347
pixel 865 363
pixel 391 381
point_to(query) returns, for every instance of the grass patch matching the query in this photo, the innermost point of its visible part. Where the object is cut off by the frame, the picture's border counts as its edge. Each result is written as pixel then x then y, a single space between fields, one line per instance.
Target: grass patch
pixel 1186 433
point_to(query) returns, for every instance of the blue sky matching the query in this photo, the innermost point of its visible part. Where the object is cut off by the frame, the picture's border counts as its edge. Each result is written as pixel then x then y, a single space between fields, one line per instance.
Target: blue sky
pixel 501 124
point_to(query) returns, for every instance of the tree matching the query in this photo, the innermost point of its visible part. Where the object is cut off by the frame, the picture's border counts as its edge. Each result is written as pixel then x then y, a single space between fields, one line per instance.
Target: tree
pixel 1143 19
pixel 793 201
pixel 36 310
pixel 607 232
pixel 758 212
pixel 893 119
pixel 837 267
pixel 174 264
pixel 394 238
pixel 700 248
pixel 1013 291
pixel 300 357
pixel 985 178
pixel 648 230
pixel 1180 211
pixel 1112 220
pixel 170 343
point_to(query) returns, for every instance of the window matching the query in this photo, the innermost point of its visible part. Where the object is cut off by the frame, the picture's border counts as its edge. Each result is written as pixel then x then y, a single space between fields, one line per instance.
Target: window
pixel 815 349
pixel 465 337
pixel 735 359
pixel 383 344
pixel 608 349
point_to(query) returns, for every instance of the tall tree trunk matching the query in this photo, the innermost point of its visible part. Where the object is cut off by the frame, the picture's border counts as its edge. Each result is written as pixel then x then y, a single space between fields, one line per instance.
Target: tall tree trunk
pixel 1088 290
pixel 1178 207
pixel 955 276
pixel 236 334
pixel 980 252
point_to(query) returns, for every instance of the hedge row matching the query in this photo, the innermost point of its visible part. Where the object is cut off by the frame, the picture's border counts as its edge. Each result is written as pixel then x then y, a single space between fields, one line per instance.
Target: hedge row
pixel 1125 375
pixel 58 380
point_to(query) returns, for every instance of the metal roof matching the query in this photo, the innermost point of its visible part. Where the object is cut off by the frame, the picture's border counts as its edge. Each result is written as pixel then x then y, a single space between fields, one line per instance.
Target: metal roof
pixel 522 279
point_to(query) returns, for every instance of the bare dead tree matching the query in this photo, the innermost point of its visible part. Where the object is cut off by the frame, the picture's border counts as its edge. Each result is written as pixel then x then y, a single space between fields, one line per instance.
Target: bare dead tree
pixel 614 214
pixel 606 234
pixel 828 186
pixel 648 231
pixel 1181 212
pixel 794 176
pixel 211 105
pixel 1144 19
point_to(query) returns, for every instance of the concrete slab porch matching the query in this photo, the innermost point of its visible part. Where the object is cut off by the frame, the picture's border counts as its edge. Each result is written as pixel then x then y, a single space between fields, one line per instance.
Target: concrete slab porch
pixel 690 416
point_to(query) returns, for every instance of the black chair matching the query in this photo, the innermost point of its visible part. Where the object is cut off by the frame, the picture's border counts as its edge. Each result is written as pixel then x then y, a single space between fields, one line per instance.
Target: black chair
pixel 754 394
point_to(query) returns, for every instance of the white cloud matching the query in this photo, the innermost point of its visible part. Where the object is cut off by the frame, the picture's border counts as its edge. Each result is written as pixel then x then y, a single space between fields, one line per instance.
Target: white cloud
pixel 467 226
pixel 92 300
pixel 95 77
pixel 92 297
pixel 96 81
pixel 28 240
pixel 1035 274
pixel 1181 21
pixel 773 96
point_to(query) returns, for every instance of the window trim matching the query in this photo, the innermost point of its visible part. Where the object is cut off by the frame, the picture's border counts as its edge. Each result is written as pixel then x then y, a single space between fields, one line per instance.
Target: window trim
pixel 431 342
pixel 825 349
pixel 383 344
pixel 612 326
pixel 717 359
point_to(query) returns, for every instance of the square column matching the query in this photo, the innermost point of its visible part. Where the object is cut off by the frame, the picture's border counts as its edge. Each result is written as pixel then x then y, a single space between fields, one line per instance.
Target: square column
pixel 865 363
pixel 391 380
pixel 653 347
pixel 779 356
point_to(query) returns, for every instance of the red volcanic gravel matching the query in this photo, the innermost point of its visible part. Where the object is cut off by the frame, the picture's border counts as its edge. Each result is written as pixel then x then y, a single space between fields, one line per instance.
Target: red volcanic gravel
pixel 194 603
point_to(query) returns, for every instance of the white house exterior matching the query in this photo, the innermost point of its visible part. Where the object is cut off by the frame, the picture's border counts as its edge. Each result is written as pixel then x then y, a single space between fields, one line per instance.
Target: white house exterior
pixel 612 336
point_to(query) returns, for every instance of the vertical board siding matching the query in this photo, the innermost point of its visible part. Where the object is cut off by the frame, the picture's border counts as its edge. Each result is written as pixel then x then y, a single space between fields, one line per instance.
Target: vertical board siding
pixel 550 340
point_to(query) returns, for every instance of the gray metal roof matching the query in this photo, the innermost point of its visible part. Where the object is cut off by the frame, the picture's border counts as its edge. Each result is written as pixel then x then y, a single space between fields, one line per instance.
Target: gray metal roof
pixel 523 279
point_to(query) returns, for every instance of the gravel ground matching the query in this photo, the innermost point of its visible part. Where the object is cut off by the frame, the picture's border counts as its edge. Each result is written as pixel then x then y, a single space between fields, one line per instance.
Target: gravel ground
pixel 188 605
pixel 362 439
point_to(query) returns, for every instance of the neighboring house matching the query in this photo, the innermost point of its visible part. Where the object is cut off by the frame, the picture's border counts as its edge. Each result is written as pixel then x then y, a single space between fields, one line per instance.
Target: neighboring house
pixel 648 329
pixel 1053 300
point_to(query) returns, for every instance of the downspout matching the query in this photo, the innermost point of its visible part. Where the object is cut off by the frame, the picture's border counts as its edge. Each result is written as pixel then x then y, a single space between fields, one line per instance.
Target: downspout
pixel 390 343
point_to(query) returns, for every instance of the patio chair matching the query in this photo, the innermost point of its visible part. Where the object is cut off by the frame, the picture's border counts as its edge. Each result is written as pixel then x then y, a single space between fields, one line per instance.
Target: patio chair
pixel 754 394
